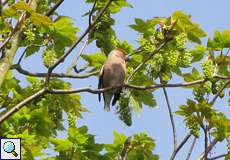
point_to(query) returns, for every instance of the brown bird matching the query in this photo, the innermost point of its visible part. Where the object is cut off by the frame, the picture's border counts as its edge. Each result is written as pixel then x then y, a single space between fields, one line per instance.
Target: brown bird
pixel 112 74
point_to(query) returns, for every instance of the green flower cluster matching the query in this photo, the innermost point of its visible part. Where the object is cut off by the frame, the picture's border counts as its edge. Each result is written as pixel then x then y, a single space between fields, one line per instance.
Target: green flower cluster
pixel 49 57
pixel 147 46
pixel 192 124
pixel 123 109
pixel 181 40
pixel 201 91
pixel 29 35
pixel 43 6
pixel 171 58
pixel 208 68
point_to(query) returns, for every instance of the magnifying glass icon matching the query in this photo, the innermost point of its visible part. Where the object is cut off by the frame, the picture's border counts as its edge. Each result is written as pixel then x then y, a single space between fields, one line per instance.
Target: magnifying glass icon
pixel 9 147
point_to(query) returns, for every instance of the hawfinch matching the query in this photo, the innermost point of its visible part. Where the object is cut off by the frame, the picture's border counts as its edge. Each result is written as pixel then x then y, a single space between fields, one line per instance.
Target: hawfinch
pixel 112 74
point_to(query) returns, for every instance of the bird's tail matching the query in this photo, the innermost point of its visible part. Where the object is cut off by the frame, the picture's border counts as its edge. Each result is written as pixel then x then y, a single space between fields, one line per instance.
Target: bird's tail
pixel 107 107
pixel 107 100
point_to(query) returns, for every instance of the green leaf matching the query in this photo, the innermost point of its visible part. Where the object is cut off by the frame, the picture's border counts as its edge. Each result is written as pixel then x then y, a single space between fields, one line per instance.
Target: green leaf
pixel 195 73
pixel 61 144
pixel 12 11
pixel 94 60
pixel 220 40
pixel 117 5
pixel 198 53
pixel 63 32
pixel 78 135
pixel 184 24
pixel 226 38
pixel 143 97
pixel 142 148
pixel 189 77
pixel 128 48
pixel 119 139
pixel 135 105
pixel 145 27
pixel 40 20
pixel 32 80
pixel 21 5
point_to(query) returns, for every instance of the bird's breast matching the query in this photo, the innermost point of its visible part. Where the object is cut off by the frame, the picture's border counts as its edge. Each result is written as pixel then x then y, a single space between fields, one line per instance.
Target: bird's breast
pixel 114 74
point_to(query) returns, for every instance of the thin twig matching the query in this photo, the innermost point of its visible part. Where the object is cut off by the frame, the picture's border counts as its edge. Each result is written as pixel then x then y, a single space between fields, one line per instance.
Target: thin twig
pixel 91 12
pixel 21 19
pixel 221 77
pixel 1 7
pixel 72 152
pixel 59 75
pixel 155 86
pixel 4 2
pixel 24 52
pixel 14 30
pixel 144 61
pixel 219 92
pixel 171 117
pixel 81 69
pixel 21 104
pixel 63 75
pixel 74 62
pixel 209 148
pixel 21 57
pixel 191 148
pixel 52 10
pixel 226 55
pixel 165 41
pixel 62 58
pixel 217 157
pixel 96 91
pixel 180 146
pixel 205 142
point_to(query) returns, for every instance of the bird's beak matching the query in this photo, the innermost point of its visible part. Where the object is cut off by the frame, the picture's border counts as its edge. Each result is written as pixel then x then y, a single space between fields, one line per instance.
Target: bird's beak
pixel 128 58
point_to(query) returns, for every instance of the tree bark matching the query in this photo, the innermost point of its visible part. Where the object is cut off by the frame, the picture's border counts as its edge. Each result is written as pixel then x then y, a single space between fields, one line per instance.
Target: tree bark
pixel 6 62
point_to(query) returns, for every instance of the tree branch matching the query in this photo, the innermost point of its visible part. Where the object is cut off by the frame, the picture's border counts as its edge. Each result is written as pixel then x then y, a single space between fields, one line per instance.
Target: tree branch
pixel 6 61
pixel 86 75
pixel 95 91
pixel 21 104
pixel 50 12
pixel 217 157
pixel 4 2
pixel 171 117
pixel 91 12
pixel 74 62
pixel 219 92
pixel 209 148
pixel 166 39
pixel 14 30
pixel 59 75
pixel 145 60
pixel 221 77
pixel 191 148
pixel 205 142
pixel 24 52
pixel 62 58
pixel 180 146
pixel 1 7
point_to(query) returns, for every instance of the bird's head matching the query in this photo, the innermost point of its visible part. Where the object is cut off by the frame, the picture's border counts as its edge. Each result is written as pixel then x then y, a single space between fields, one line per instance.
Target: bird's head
pixel 121 53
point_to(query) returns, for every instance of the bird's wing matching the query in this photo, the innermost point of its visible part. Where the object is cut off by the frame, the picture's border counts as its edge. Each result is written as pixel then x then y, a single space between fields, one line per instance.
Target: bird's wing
pixel 100 82
pixel 116 97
